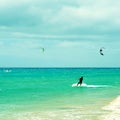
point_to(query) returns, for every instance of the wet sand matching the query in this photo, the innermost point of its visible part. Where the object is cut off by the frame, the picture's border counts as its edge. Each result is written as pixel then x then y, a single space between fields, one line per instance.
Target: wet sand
pixel 113 110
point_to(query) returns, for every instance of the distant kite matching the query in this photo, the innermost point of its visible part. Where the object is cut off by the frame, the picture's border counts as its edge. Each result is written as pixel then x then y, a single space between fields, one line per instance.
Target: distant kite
pixel 101 51
pixel 43 49
pixel 40 48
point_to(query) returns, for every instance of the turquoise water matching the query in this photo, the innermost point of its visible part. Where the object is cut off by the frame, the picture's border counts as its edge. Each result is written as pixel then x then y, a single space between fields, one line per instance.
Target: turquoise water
pixel 31 91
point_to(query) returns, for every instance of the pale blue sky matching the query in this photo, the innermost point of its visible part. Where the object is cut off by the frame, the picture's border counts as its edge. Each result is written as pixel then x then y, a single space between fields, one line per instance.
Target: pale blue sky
pixel 72 32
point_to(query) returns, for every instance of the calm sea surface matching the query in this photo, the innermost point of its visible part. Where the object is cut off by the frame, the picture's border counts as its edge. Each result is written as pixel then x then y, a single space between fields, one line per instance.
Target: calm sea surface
pixel 47 93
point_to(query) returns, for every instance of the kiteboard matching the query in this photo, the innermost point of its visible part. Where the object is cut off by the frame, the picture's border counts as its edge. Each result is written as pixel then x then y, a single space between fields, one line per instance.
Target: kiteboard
pixel 88 86
pixel 82 85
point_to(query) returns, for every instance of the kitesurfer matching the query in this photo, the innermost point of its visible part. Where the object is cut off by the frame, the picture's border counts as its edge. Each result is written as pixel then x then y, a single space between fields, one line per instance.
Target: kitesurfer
pixel 80 81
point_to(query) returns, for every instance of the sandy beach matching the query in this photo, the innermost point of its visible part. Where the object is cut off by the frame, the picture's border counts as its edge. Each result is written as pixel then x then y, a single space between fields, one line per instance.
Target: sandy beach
pixel 114 110
pixel 109 112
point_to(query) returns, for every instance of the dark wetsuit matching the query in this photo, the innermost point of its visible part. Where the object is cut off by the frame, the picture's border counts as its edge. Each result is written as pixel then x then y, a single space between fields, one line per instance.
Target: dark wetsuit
pixel 80 81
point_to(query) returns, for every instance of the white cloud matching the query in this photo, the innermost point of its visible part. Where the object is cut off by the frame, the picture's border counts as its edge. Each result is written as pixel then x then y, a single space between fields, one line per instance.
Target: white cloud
pixel 30 35
pixel 86 15
pixel 60 17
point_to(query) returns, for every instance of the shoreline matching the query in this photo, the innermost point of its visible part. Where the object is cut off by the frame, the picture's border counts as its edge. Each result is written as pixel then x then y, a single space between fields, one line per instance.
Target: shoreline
pixel 108 112
pixel 113 109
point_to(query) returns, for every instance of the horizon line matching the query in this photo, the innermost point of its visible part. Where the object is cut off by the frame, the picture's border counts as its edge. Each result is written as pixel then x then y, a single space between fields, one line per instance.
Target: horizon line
pixel 53 67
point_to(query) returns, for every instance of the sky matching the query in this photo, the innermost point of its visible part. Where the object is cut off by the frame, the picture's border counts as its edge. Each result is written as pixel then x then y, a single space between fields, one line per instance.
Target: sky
pixel 71 31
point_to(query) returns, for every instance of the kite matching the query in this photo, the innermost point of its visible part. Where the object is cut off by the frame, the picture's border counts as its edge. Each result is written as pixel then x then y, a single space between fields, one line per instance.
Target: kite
pixel 43 49
pixel 101 51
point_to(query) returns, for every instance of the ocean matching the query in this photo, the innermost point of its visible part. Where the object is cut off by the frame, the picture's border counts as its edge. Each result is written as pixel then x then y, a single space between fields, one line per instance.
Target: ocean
pixel 50 94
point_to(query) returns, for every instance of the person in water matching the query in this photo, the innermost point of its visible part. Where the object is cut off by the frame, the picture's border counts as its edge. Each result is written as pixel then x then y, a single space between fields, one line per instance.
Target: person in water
pixel 80 81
